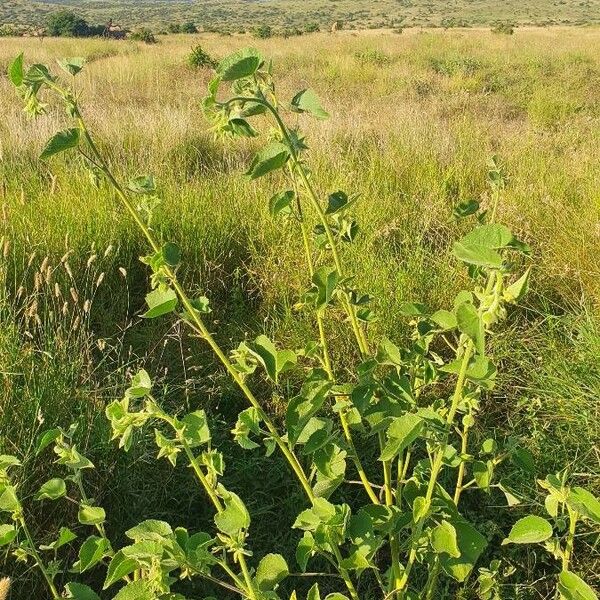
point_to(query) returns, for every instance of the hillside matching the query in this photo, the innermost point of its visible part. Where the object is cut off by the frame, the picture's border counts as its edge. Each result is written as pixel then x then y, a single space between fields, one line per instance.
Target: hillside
pixel 235 14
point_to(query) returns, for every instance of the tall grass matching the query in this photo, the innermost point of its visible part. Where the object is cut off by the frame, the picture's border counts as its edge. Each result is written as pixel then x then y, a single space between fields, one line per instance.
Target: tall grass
pixel 416 117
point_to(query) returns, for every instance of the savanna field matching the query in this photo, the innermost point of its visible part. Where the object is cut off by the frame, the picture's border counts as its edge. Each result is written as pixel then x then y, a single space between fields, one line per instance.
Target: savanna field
pixel 415 118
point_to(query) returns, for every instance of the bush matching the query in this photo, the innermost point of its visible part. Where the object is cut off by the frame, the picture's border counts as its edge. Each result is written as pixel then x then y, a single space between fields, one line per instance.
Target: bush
pixel 174 28
pixel 505 28
pixel 144 35
pixel 9 30
pixel 188 27
pixel 65 23
pixel 311 28
pixel 263 32
pixel 199 58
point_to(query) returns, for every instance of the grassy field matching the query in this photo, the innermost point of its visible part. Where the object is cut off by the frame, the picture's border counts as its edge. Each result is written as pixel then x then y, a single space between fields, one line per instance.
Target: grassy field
pixel 414 118
pixel 233 14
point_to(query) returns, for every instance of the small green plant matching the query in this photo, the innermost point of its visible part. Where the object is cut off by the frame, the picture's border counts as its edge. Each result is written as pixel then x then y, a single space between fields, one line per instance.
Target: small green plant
pixel 198 58
pixel 263 32
pixel 144 35
pixel 415 405
pixel 504 28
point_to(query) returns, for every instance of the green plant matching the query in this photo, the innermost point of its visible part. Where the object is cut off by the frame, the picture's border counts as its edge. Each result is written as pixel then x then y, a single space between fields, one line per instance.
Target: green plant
pixel 67 24
pixel 263 32
pixel 415 405
pixel 199 58
pixel 144 35
pixel 503 27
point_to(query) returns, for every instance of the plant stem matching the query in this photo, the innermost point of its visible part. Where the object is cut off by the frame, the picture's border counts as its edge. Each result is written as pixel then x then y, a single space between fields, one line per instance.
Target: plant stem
pixel 437 466
pixel 327 361
pixel 195 319
pixel 42 567
pixel 573 517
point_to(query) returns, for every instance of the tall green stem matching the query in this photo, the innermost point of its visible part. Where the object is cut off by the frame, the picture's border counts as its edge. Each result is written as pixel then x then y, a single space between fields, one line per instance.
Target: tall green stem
pixel 436 467
pixel 40 563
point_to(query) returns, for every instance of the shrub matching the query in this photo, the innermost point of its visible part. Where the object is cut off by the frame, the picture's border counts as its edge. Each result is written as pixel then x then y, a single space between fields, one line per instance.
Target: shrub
pixel 174 28
pixel 199 58
pixel 9 30
pixel 144 35
pixel 505 28
pixel 263 32
pixel 311 27
pixel 65 23
pixel 188 27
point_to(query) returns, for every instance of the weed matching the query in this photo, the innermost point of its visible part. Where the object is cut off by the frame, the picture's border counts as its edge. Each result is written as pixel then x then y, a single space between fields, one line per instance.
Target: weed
pixel 416 404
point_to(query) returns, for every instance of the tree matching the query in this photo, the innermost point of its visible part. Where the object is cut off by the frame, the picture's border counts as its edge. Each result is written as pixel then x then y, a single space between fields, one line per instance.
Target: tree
pixel 65 23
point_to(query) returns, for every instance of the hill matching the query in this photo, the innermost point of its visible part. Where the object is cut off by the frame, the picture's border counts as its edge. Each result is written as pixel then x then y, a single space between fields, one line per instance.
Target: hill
pixel 236 14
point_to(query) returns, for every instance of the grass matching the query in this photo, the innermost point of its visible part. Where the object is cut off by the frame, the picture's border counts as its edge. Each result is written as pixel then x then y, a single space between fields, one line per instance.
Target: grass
pixel 414 119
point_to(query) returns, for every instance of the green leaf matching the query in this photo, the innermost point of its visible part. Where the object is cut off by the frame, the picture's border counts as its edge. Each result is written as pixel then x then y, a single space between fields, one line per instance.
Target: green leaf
pixel 63 140
pixel 92 551
pixel 444 319
pixel 529 530
pixel 585 503
pixel 443 539
pixel 572 587
pixel 272 157
pixel 144 184
pixel 240 127
pixel 141 385
pixel 16 73
pixel 401 433
pixel 325 279
pixel 281 203
pixel 120 566
pixel 79 591
pixel 483 473
pixel 7 534
pixel 47 438
pixel 516 291
pixel 160 302
pixel 73 66
pixel 480 246
pixel 196 431
pixel 7 460
pixel 271 570
pixel 136 590
pixel 388 353
pixel 305 549
pixel 274 361
pixel 52 490
pixel 336 596
pixel 336 202
pixel 65 536
pixel 149 530
pixel 234 517
pixel 91 515
pixel 8 499
pixel 171 253
pixel 470 324
pixel 238 65
pixel 465 209
pixel 313 593
pixel 307 101
pixel 471 545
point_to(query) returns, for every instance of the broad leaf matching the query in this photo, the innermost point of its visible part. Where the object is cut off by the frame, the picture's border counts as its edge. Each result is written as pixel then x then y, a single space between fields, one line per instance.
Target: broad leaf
pixel 52 489
pixel 63 140
pixel 572 587
pixel 307 101
pixel 234 517
pixel 243 63
pixel 272 157
pixel 271 570
pixel 160 302
pixel 401 433
pixel 15 71
pixel 529 530
pixel 79 591
pixel 443 539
